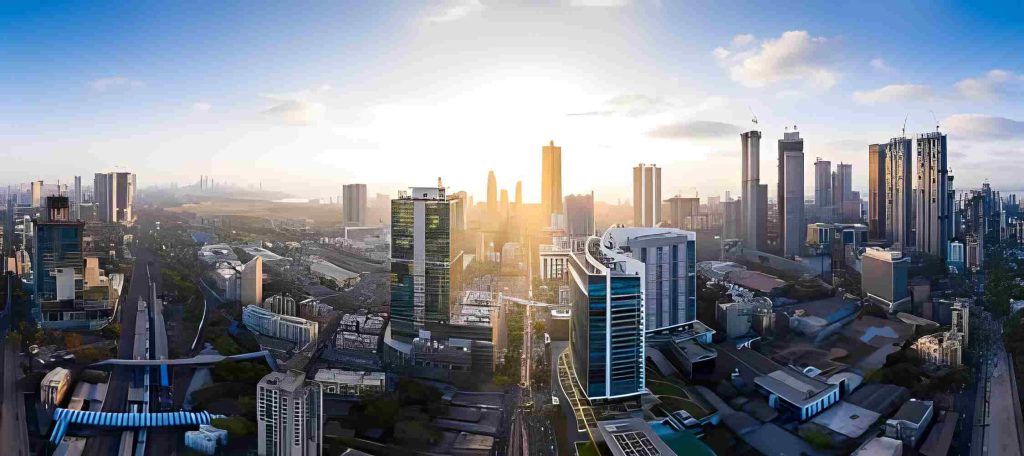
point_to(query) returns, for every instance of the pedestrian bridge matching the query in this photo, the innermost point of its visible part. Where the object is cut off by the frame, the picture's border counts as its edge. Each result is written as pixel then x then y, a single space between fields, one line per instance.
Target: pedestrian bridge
pixel 201 360
pixel 66 417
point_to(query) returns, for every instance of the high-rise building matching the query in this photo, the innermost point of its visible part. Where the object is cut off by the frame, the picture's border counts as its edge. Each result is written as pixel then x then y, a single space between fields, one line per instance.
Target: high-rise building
pixel 683 211
pixel 76 207
pixel 823 189
pixel 876 191
pixel 732 219
pixel 606 330
pixel 551 179
pixel 842 192
pixel 646 195
pixel 792 225
pixel 579 215
pixel 425 266
pixel 354 205
pixel 934 202
pixel 115 194
pixel 492 194
pixel 58 268
pixel 755 217
pixel 289 414
pixel 519 195
pixel 37 193
pixel 884 277
pixel 252 282
pixel 898 201
pixel 669 257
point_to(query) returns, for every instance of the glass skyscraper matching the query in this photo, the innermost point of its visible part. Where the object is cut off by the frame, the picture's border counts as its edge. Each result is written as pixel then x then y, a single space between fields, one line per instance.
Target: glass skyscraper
pixel 607 326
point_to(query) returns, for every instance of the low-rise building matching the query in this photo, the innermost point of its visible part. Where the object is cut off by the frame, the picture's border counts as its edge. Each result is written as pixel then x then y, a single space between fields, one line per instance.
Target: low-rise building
pixel 54 386
pixel 631 437
pixel 942 349
pixel 880 446
pixel 206 439
pixel 350 383
pixel 281 304
pixel 911 422
pixel 791 391
pixel 884 277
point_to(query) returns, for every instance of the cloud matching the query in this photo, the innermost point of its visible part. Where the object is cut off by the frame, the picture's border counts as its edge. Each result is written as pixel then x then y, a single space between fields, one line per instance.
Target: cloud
pixel 455 10
pixel 298 108
pixel 599 3
pixel 795 55
pixel 201 106
pixel 112 82
pixel 893 92
pixel 982 126
pixel 630 105
pixel 880 65
pixel 993 84
pixel 695 129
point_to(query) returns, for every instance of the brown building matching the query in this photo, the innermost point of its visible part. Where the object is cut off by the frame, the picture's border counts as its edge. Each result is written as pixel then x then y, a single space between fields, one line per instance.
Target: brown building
pixel 876 191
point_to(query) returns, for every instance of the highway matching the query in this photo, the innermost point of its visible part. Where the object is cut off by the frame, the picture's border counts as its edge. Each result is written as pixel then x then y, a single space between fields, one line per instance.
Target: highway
pixel 12 419
pixel 108 443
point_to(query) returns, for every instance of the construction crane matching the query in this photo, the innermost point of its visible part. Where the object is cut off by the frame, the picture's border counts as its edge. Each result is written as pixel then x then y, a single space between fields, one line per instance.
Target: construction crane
pixel 904 132
pixel 754 116
pixel 935 119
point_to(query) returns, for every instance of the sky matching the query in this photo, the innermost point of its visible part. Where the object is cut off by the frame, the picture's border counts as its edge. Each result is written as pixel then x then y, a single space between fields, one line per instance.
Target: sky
pixel 305 97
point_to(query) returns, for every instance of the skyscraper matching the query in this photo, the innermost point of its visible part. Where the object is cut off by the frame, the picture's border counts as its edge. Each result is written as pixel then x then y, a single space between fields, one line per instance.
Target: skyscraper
pixel 115 194
pixel 823 189
pixel 423 279
pixel 37 193
pixel 842 191
pixel 646 195
pixel 252 282
pixel 898 204
pixel 876 191
pixel 58 269
pixel 289 414
pixel 670 267
pixel 503 204
pixel 934 203
pixel 792 225
pixel 76 208
pixel 551 179
pixel 519 195
pixel 606 330
pixel 755 217
pixel 492 193
pixel 354 205
pixel 579 215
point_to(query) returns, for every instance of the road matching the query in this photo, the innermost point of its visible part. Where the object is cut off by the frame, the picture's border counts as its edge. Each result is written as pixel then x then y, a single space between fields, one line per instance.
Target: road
pixel 12 420
pixel 107 443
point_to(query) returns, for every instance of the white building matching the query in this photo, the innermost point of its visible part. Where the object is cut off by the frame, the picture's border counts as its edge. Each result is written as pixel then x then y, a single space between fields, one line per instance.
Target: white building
pixel 54 386
pixel 281 304
pixel 206 439
pixel 289 415
pixel 350 383
pixel 251 287
pixel 792 391
pixel 911 422
pixel 294 329
pixel 943 349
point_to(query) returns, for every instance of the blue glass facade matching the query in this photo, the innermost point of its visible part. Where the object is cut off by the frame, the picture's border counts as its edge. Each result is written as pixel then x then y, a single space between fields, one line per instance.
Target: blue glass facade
pixel 57 245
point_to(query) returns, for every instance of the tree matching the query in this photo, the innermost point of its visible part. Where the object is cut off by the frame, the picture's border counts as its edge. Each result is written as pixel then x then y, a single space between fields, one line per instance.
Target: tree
pixel 236 426
pixel 72 341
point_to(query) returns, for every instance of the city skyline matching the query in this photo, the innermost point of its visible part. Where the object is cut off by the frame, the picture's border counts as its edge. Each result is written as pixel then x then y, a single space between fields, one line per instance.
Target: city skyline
pixel 400 80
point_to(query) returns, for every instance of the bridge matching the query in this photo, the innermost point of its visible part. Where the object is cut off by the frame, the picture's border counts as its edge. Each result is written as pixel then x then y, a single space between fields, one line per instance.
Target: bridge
pixel 199 360
pixel 66 417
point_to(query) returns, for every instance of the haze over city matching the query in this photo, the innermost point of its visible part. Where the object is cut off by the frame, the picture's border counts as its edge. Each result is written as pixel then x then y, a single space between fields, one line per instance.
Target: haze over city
pixel 302 98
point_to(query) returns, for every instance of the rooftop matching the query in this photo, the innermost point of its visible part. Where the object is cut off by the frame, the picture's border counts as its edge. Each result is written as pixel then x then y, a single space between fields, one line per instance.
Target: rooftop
pixel 913 411
pixel 847 419
pixel 793 386
pixel 632 437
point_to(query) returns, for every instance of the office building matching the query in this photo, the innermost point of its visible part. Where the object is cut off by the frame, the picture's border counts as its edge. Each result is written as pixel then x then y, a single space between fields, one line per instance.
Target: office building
pixel 669 257
pixel 289 414
pixel 792 224
pixel 683 212
pixel 425 266
pixel 551 180
pixel 350 383
pixel 898 195
pixel 354 205
pixel 114 193
pixel 823 189
pixel 934 202
pixel 884 277
pixel 58 269
pixel 960 313
pixel 251 286
pixel 54 387
pixel 492 194
pixel 795 394
pixel 293 329
pixel 910 423
pixel 956 257
pixel 631 437
pixel 755 196
pixel 842 192
pixel 876 191
pixel 606 333
pixel 579 215
pixel 646 195
pixel 732 219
